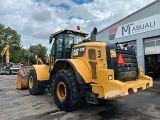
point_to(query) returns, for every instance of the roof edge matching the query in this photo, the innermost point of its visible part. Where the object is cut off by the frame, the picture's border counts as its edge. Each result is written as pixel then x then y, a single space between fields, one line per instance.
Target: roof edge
pixel 64 30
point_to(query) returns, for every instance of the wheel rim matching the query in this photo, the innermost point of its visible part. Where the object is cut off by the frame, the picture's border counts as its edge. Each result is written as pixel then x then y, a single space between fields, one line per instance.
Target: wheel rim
pixel 30 82
pixel 61 91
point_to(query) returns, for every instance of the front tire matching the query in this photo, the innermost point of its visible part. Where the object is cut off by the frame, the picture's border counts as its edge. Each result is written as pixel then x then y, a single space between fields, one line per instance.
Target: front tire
pixel 33 87
pixel 66 92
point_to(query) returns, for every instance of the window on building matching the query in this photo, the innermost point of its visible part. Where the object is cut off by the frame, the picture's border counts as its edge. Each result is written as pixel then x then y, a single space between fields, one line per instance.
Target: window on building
pixel 130 43
pixel 149 42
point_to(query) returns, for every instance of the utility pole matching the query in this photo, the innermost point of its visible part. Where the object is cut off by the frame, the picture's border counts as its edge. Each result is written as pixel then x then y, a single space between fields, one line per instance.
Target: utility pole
pixel 28 60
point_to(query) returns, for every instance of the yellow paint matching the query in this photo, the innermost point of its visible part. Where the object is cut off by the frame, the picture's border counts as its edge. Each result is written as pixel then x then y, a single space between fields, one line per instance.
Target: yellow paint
pixel 42 72
pixel 111 89
pixel 143 77
pixel 61 91
pixel 113 53
pixel 100 61
pixel 30 82
pixel 5 52
pixel 105 88
pixel 98 89
pixel 38 60
pixel 20 83
pixel 82 69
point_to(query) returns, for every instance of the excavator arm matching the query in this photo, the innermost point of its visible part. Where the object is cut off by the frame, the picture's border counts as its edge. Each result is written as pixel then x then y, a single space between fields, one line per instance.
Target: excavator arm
pixel 5 52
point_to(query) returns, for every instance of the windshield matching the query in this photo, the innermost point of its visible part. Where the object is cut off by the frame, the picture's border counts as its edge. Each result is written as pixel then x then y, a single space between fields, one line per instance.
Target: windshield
pixel 60 43
pixel 73 39
pixel 78 39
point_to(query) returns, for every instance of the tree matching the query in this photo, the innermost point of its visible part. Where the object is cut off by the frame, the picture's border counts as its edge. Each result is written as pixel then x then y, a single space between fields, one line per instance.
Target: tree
pixel 35 50
pixel 12 38
pixel 17 52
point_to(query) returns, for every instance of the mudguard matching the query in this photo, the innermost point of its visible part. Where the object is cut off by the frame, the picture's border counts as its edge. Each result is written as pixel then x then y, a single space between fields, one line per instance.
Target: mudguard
pixel 81 70
pixel 42 72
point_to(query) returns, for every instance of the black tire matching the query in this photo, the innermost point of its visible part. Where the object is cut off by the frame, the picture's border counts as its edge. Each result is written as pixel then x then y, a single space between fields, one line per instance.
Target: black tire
pixel 101 102
pixel 33 87
pixel 71 99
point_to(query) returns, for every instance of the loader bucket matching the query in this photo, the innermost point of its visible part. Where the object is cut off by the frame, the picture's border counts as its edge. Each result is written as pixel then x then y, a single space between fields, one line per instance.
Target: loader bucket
pixel 22 77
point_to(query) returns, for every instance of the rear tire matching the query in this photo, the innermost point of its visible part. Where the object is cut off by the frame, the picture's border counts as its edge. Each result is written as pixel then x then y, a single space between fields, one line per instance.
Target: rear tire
pixel 66 90
pixel 33 87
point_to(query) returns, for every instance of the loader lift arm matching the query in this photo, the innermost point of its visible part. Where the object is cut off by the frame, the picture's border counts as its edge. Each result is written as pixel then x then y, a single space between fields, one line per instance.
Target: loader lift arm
pixel 39 59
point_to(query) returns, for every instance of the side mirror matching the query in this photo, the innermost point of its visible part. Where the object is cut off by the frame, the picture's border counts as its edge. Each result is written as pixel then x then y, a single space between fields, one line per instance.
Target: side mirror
pixel 50 39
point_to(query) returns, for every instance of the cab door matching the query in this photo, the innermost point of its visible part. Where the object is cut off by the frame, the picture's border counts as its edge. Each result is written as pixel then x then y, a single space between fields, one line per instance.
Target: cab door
pixel 58 47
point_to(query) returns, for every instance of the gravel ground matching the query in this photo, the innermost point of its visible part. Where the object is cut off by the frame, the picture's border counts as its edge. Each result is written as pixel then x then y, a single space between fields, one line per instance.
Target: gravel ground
pixel 18 104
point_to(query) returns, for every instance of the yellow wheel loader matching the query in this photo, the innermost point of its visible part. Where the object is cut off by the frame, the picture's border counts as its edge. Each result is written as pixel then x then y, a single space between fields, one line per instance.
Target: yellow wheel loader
pixel 80 70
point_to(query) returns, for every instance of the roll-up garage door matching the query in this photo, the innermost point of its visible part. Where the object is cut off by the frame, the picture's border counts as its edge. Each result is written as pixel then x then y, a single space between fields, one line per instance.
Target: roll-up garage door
pixel 152 45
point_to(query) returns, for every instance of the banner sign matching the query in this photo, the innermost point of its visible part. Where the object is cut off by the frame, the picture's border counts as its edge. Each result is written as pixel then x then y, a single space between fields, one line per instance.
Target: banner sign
pixel 139 26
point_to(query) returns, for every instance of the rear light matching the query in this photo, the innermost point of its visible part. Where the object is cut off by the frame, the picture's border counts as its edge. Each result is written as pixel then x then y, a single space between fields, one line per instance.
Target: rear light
pixel 120 59
pixel 110 77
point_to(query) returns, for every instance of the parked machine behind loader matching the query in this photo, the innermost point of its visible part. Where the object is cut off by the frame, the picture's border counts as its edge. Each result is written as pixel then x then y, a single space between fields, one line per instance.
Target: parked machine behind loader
pixel 80 70
pixel 9 67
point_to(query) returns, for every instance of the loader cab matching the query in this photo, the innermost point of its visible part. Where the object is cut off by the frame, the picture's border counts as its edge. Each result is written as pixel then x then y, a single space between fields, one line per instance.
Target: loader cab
pixel 63 41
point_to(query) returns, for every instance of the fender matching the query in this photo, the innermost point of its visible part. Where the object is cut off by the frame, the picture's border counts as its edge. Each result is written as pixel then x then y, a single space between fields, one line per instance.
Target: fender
pixel 42 72
pixel 81 70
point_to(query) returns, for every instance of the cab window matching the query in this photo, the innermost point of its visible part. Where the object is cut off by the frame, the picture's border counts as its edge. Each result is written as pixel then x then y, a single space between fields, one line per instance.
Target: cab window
pixel 59 43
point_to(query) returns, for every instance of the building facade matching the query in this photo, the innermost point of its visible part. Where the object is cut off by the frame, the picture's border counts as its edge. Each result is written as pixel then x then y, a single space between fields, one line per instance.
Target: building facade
pixel 141 29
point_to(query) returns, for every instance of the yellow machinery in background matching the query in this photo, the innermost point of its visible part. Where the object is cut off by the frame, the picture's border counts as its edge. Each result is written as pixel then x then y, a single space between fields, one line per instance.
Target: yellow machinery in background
pixel 9 67
pixel 83 70
pixel 5 52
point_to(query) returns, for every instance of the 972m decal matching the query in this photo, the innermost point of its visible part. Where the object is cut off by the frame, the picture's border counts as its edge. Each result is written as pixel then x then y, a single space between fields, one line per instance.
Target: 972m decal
pixel 79 51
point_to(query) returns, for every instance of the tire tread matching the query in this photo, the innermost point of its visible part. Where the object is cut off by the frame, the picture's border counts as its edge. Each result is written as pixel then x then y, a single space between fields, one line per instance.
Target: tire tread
pixel 35 90
pixel 75 101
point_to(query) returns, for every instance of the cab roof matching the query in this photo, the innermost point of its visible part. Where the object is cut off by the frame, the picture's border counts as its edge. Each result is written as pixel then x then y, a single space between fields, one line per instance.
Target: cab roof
pixel 69 32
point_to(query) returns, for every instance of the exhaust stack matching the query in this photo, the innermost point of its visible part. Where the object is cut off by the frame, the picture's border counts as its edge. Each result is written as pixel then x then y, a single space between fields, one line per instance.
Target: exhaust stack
pixel 93 34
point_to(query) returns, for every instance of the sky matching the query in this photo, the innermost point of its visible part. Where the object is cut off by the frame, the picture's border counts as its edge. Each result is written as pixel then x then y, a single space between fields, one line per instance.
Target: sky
pixel 35 20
